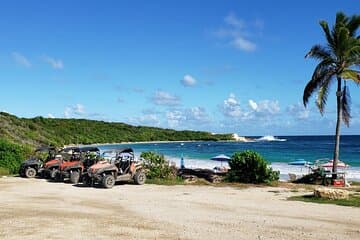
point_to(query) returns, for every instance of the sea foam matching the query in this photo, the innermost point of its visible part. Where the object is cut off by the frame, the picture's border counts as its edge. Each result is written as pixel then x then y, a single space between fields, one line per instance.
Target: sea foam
pixel 269 138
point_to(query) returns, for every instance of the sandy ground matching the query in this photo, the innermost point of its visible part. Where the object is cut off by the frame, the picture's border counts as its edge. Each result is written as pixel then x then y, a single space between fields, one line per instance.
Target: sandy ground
pixel 38 209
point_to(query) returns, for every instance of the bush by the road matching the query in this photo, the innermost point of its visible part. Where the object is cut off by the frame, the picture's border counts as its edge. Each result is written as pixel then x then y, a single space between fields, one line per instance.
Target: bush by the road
pixel 11 156
pixel 157 167
pixel 250 167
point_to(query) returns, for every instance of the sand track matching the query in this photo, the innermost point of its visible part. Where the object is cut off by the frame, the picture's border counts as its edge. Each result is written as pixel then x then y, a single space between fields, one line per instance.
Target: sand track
pixel 37 209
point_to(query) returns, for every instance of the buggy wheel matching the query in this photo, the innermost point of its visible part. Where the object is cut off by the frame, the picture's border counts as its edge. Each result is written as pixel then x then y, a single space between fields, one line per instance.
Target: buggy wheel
pixel 140 177
pixel 58 177
pixel 108 181
pixel 30 172
pixel 86 181
pixel 74 177
pixel 53 173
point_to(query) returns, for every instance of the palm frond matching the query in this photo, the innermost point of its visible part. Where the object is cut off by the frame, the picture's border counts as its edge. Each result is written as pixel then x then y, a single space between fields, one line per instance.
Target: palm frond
pixel 353 53
pixel 353 24
pixel 340 22
pixel 319 52
pixel 328 35
pixel 322 96
pixel 342 42
pixel 341 19
pixel 351 74
pixel 322 74
pixel 345 105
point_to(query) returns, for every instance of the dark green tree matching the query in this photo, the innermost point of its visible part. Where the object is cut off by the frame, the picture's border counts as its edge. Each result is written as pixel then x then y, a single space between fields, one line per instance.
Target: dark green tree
pixel 339 62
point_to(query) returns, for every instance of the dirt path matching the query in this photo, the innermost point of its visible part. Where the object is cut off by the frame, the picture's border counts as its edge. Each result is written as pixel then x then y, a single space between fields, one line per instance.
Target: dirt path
pixel 37 209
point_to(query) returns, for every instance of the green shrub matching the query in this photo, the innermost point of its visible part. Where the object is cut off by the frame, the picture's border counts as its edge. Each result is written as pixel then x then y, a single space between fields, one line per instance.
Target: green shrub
pixel 250 167
pixel 4 171
pixel 157 166
pixel 12 155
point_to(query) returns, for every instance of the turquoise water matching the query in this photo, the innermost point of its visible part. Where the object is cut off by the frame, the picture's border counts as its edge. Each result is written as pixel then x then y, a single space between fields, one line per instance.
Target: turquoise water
pixel 278 151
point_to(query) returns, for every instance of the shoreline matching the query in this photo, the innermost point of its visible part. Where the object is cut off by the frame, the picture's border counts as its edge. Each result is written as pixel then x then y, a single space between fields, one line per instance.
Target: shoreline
pixel 155 142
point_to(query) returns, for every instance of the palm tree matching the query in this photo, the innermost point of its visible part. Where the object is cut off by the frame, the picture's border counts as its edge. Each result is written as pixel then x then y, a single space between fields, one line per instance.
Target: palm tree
pixel 339 62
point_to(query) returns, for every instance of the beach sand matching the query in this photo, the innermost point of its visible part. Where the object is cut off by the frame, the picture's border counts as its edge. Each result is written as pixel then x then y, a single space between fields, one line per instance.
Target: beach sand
pixel 38 209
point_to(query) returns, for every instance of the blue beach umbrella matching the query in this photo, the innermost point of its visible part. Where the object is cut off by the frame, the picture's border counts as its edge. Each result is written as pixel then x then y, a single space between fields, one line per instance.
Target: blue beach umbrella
pixel 221 158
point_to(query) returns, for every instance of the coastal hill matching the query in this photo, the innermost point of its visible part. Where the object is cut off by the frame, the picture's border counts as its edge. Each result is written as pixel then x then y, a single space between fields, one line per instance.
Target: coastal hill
pixel 55 131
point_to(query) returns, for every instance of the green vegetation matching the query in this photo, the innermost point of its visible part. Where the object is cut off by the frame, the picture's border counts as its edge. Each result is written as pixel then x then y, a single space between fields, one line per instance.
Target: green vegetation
pixel 4 171
pixel 354 183
pixel 167 182
pixel 19 135
pixel 58 132
pixel 157 167
pixel 11 156
pixel 338 59
pixel 250 167
pixel 354 200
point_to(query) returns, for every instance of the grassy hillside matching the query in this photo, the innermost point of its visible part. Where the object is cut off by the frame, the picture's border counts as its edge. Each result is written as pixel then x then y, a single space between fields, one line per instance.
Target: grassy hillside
pixel 44 131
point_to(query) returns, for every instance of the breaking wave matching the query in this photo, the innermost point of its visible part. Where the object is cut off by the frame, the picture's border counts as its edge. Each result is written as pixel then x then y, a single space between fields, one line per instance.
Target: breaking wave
pixel 269 138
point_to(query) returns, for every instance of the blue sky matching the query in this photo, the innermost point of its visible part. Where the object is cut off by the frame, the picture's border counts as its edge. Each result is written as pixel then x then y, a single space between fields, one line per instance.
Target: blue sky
pixel 218 66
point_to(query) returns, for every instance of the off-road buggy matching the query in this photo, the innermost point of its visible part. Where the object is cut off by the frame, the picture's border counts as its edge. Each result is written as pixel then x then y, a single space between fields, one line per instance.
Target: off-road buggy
pixel 34 165
pixel 52 167
pixel 121 167
pixel 81 159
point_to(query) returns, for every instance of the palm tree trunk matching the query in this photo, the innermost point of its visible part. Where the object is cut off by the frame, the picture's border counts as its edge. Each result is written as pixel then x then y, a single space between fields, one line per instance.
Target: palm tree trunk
pixel 337 133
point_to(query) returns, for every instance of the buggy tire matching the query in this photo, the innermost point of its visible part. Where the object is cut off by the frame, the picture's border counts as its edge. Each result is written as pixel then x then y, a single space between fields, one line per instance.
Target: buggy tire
pixel 108 181
pixel 58 177
pixel 140 177
pixel 86 181
pixel 74 177
pixel 53 174
pixel 30 172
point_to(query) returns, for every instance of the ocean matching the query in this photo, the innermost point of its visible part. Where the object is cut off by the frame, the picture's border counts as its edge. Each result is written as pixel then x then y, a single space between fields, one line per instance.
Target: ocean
pixel 278 151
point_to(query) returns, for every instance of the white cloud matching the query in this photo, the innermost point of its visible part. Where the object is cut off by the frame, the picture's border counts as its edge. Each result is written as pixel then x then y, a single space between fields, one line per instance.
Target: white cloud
pixel 231 19
pixel 188 81
pixel 243 44
pixel 165 98
pixel 197 114
pixel 268 107
pixel 298 111
pixel 50 115
pixel 253 105
pixel 187 118
pixel 231 107
pixel 146 120
pixel 55 63
pixel 240 33
pixel 174 118
pixel 21 59
pixel 77 109
pixel 262 111
pixel 67 112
